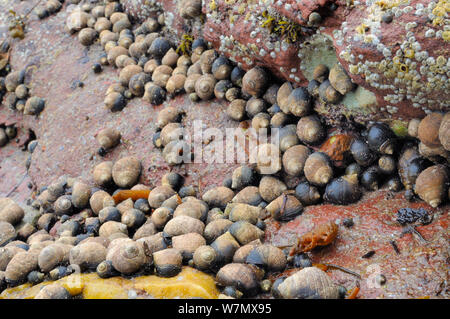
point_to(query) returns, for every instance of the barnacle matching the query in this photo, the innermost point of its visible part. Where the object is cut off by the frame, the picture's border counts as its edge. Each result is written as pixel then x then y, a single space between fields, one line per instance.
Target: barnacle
pixel 185 44
pixel 322 235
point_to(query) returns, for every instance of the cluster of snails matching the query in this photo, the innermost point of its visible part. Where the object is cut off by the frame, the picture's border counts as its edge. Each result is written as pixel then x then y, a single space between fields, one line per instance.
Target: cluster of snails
pixel 18 95
pixel 120 227
pixel 49 8
pixel 149 65
pixel 7 133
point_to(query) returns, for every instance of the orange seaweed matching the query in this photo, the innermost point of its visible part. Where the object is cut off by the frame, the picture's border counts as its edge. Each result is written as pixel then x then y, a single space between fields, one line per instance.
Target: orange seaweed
pixel 354 293
pixel 133 194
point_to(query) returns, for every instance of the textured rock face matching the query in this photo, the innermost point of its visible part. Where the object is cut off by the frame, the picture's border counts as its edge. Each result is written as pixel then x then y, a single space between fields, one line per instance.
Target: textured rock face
pixel 395 50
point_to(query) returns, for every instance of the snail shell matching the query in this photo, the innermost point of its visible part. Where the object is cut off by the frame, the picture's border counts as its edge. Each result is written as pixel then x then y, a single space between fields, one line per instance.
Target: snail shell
pixel 370 178
pixel 270 188
pixel 240 276
pixel 191 9
pixel 288 137
pixel 318 170
pixel 102 24
pixel 218 196
pixel 225 246
pixel 307 194
pixel 362 153
pixel 255 106
pixel 340 80
pixel 261 122
pixel 108 138
pixel 236 109
pixel 20 266
pixel 87 255
pixel 248 195
pixel 267 256
pixel 244 232
pixel 255 81
pixel 133 218
pixel 177 152
pixel 170 58
pixel 34 106
pixel 80 195
pixel 428 131
pixel 167 115
pixel 444 131
pixel 161 216
pixel 77 20
pixel 52 256
pixel 299 102
pixel 206 60
pixel 126 172
pixel 154 94
pixel 310 130
pixel 168 262
pixel 114 52
pixel 268 159
pixel 381 138
pixel 175 83
pixel 35 277
pixel 127 257
pixel 99 200
pixel 283 95
pixel 87 36
pixel 320 73
pixel 232 94
pixel 114 101
pixel 194 69
pixel 193 208
pixel 294 159
pixel 413 127
pixel 205 258
pixel 241 254
pixel 328 93
pixel 110 228
pixel 182 225
pixel 159 194
pixel 187 244
pixel 343 190
pixel 161 75
pixel 159 47
pixel 387 164
pixel 236 76
pixel 221 88
pixel 285 207
pixel 106 270
pixel 53 291
pixel 271 94
pixel 204 86
pixel 137 83
pixel 154 243
pixel 432 185
pixel 309 282
pixel 216 228
pixel 221 68
pixel 244 212
pixel 6 254
pixel 242 176
pixel 151 65
pixel 102 174
pixel 189 84
pixel 10 212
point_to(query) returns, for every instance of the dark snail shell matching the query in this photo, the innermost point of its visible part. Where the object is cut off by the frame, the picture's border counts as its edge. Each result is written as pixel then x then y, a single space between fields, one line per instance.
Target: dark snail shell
pixel 168 262
pixel 106 269
pixel 288 137
pixel 225 247
pixel 35 277
pixel 242 176
pixel 241 276
pixel 328 93
pixel 248 195
pixel 370 178
pixel 244 232
pixel 159 47
pixel 394 184
pixel 307 194
pixel 221 88
pixel 133 218
pixel 268 257
pixel 285 208
pixel 299 102
pixel 221 68
pixel 343 190
pixel 353 168
pixel 236 76
pixel 137 83
pixel 380 138
pixel 313 88
pixel 362 153
pixel 271 94
pixel 410 172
